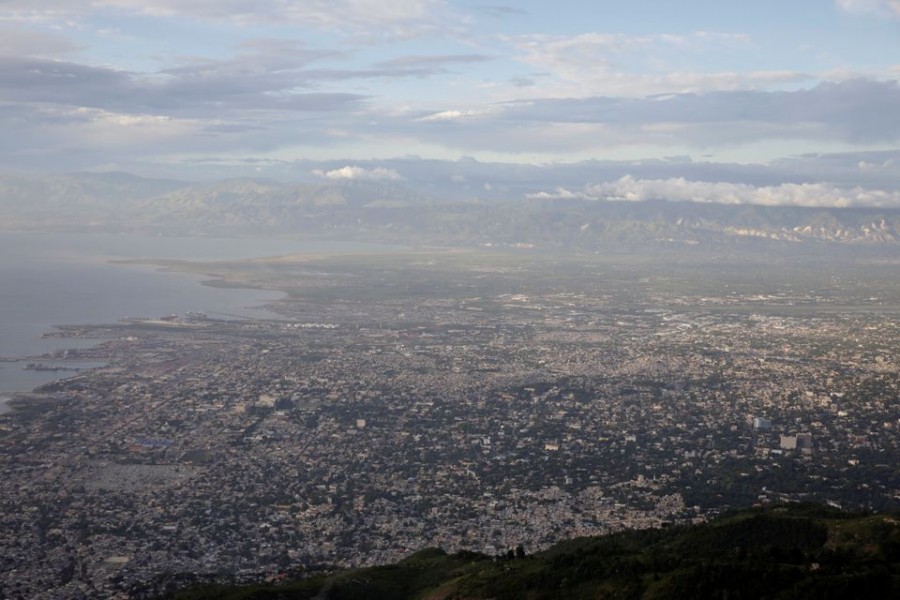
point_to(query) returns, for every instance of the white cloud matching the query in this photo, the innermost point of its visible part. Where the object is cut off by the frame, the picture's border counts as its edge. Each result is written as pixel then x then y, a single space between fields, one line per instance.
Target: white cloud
pixel 111 129
pixel 880 7
pixel 357 173
pixel 560 193
pixel 453 115
pixel 683 190
pixel 889 165
pixel 399 18
pixel 635 65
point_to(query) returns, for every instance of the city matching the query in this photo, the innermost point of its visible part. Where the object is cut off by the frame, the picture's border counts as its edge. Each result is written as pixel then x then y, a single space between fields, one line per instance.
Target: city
pixel 473 400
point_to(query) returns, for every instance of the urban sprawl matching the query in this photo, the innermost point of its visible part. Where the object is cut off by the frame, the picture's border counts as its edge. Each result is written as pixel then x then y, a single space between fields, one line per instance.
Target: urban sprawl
pixel 476 401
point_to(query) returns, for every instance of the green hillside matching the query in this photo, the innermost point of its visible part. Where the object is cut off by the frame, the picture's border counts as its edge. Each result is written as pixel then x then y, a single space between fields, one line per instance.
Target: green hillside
pixel 793 551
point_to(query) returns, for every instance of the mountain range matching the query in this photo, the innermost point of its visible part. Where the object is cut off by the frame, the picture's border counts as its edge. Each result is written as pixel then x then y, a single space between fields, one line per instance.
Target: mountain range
pixel 388 211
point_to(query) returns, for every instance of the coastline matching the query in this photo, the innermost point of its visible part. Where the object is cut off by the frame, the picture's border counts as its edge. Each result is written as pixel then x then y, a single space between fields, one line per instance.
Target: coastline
pixel 88 280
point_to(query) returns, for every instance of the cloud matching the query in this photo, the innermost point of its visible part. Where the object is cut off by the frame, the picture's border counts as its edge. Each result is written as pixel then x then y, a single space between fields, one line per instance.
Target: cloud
pixel 43 80
pixel 21 42
pixel 879 7
pixel 267 76
pixel 535 97
pixel 399 18
pixel 81 137
pixel 682 190
pixel 499 10
pixel 357 173
pixel 256 100
pixel 419 66
pixel 859 111
pixel 205 89
pixel 429 63
pixel 455 115
pixel 635 65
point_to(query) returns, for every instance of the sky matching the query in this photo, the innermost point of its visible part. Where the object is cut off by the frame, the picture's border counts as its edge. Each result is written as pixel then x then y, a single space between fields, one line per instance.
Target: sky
pixel 773 102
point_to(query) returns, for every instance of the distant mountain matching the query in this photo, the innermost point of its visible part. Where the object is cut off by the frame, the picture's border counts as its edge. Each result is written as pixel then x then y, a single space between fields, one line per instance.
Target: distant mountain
pixel 792 551
pixel 391 212
pixel 77 199
pixel 255 204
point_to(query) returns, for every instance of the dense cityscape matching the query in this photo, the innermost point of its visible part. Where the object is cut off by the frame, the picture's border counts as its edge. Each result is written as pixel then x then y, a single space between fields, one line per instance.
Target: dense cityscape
pixel 469 400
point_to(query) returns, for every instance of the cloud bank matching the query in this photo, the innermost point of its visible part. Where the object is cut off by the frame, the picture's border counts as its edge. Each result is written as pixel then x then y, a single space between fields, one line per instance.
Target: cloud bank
pixel 544 99
pixel 682 190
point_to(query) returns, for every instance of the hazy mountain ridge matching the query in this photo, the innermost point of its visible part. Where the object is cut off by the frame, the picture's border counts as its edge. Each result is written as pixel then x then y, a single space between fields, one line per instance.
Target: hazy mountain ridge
pixel 392 212
pixel 79 191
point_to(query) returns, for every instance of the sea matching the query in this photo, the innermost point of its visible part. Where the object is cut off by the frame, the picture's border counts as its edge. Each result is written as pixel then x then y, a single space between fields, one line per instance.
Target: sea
pixel 49 279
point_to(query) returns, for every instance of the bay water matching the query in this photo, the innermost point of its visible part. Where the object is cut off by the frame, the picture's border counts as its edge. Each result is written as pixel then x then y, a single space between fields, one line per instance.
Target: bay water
pixel 49 279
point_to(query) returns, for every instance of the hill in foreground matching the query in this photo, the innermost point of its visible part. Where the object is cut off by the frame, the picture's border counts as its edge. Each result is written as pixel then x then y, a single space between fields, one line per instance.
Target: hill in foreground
pixel 792 551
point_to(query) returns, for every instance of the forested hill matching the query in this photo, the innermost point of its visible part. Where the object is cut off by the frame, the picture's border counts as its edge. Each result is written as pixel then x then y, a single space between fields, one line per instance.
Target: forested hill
pixel 792 551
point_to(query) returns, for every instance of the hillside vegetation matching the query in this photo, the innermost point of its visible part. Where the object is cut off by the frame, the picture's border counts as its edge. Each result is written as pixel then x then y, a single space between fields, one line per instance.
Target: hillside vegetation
pixel 792 551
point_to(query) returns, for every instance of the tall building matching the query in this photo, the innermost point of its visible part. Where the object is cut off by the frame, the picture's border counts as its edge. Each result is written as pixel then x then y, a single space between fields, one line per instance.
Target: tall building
pixel 761 424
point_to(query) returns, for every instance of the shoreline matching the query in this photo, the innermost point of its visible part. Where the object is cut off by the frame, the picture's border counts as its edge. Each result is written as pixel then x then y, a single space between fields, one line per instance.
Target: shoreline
pixel 87 334
pixel 42 339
